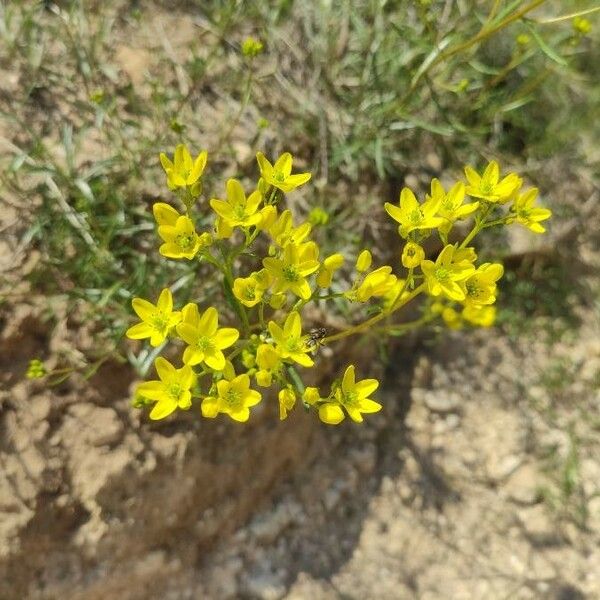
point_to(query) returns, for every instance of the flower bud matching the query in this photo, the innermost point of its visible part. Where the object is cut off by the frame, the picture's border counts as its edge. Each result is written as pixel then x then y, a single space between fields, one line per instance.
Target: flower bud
pixel 264 378
pixel 412 255
pixel 287 399
pixel 277 301
pixel 363 262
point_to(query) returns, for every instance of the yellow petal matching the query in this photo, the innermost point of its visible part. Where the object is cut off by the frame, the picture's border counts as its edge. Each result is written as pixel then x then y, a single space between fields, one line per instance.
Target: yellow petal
pixel 302 359
pixel 293 325
pixel 190 314
pixel 294 181
pixel 472 176
pixel 215 360
pixel 366 387
pixel 164 368
pixel 163 409
pixel 165 162
pixel 235 193
pixel 354 414
pixel 225 337
pixel 241 415
pixel 145 310
pixel 165 301
pixel 222 208
pixel 252 398
pixel 284 164
pixel 153 390
pixel 331 414
pixel 348 380
pixel 408 201
pixel 139 331
pixel 266 168
pixel 164 214
pixel 369 406
pixel 209 322
pixel 210 407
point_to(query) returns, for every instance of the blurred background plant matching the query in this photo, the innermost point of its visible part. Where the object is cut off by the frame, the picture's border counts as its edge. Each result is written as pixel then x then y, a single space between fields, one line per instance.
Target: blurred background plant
pixel 368 94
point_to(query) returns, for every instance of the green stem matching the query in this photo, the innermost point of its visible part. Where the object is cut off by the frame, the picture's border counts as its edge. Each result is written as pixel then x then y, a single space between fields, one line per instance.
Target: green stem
pixel 368 324
pixel 406 327
pixel 484 33
pixel 479 225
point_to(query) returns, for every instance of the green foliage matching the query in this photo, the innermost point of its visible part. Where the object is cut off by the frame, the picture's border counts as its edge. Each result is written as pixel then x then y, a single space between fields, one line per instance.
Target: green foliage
pixel 362 90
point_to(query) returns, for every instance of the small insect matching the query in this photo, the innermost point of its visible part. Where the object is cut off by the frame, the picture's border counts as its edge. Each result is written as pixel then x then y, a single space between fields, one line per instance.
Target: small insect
pixel 315 337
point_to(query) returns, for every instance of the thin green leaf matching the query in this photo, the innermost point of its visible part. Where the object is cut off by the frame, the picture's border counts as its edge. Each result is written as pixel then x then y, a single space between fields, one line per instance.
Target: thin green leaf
pixel 547 50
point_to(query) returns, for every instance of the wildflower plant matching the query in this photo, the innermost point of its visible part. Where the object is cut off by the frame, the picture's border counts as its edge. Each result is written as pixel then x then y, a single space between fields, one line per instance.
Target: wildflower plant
pixel 271 271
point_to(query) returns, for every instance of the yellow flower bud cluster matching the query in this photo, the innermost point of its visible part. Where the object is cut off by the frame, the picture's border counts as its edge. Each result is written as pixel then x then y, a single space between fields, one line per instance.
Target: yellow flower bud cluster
pixel 252 335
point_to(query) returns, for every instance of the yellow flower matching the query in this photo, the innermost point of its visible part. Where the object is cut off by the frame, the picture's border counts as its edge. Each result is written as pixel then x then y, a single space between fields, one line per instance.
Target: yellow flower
pixel 412 255
pixel 157 321
pixel 238 210
pixel 529 215
pixel 251 47
pixel 352 395
pixel 289 341
pixel 277 301
pixel 268 362
pixel 443 276
pixel 452 318
pixel 268 216
pixel 204 338
pixel 480 286
pixel 392 295
pixel 582 25
pixel 488 186
pixel 287 400
pixel 290 271
pixel 171 391
pixel 249 290
pixel 279 175
pixel 35 369
pixel 234 398
pixel 411 215
pixel 223 229
pixel 182 241
pixel 318 216
pixel 376 283
pixel 183 171
pixel 451 207
pixel 330 265
pixel 311 396
pixel 481 316
pixel 283 232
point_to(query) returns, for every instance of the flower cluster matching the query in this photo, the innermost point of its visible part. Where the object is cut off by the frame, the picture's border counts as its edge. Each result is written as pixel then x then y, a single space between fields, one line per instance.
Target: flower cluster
pixel 270 269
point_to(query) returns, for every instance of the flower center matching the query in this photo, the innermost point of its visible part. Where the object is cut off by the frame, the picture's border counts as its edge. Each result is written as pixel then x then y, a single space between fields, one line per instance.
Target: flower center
pixel 292 345
pixel 185 241
pixel 350 399
pixel 442 274
pixel 486 188
pixel 160 321
pixel 233 398
pixel 279 177
pixel 204 343
pixel 290 273
pixel 416 216
pixel 240 212
pixel 473 289
pixel 174 391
